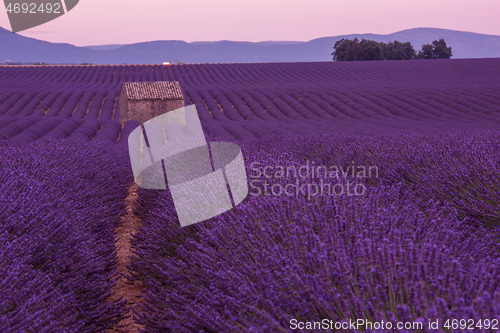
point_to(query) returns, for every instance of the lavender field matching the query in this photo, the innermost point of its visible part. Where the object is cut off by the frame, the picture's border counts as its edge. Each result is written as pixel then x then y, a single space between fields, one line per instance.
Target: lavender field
pixel 242 101
pixel 414 242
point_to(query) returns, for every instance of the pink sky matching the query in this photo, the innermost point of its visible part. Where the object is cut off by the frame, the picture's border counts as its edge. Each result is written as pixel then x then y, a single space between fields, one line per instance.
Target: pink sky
pixel 96 22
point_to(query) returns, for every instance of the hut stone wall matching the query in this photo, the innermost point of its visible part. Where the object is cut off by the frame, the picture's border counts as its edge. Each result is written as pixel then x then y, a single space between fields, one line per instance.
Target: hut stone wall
pixel 143 101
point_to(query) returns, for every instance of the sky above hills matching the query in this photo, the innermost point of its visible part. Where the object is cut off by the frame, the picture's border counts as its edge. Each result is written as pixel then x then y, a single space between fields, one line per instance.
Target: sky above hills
pixel 97 22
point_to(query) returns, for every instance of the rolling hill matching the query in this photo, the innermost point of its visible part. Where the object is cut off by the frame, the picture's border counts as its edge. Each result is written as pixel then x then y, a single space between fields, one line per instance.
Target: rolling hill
pixel 17 48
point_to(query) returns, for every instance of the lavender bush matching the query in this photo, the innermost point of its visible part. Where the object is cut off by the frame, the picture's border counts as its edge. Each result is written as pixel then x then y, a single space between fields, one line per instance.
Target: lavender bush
pixel 61 200
pixel 396 253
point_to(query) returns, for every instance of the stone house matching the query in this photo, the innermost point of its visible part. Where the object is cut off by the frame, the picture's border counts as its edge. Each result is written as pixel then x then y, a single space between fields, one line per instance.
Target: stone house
pixel 142 101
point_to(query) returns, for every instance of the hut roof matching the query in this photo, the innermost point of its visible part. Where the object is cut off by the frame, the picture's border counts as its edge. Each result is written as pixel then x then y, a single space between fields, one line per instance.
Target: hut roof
pixel 140 91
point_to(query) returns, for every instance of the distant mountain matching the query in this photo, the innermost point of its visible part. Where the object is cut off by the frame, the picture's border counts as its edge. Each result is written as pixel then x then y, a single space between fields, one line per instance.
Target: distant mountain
pixel 22 49
pixel 105 47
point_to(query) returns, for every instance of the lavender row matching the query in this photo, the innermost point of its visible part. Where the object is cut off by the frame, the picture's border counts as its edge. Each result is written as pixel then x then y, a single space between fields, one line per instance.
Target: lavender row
pixel 413 246
pixel 29 129
pixel 196 75
pixel 61 200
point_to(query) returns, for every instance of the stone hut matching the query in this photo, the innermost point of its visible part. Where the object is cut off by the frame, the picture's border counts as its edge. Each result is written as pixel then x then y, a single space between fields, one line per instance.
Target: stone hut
pixel 142 101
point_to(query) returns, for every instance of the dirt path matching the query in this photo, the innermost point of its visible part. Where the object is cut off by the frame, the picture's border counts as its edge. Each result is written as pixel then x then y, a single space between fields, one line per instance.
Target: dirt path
pixel 123 288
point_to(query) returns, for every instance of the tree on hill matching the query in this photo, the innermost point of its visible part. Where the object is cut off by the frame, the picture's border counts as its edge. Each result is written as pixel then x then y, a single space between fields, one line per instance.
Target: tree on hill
pixel 354 50
pixel 345 50
pixel 398 51
pixel 438 50
pixel 427 52
pixel 369 50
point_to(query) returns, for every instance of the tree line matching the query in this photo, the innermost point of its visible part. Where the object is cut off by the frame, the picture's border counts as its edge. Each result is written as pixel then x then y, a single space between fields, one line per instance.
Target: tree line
pixel 355 50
